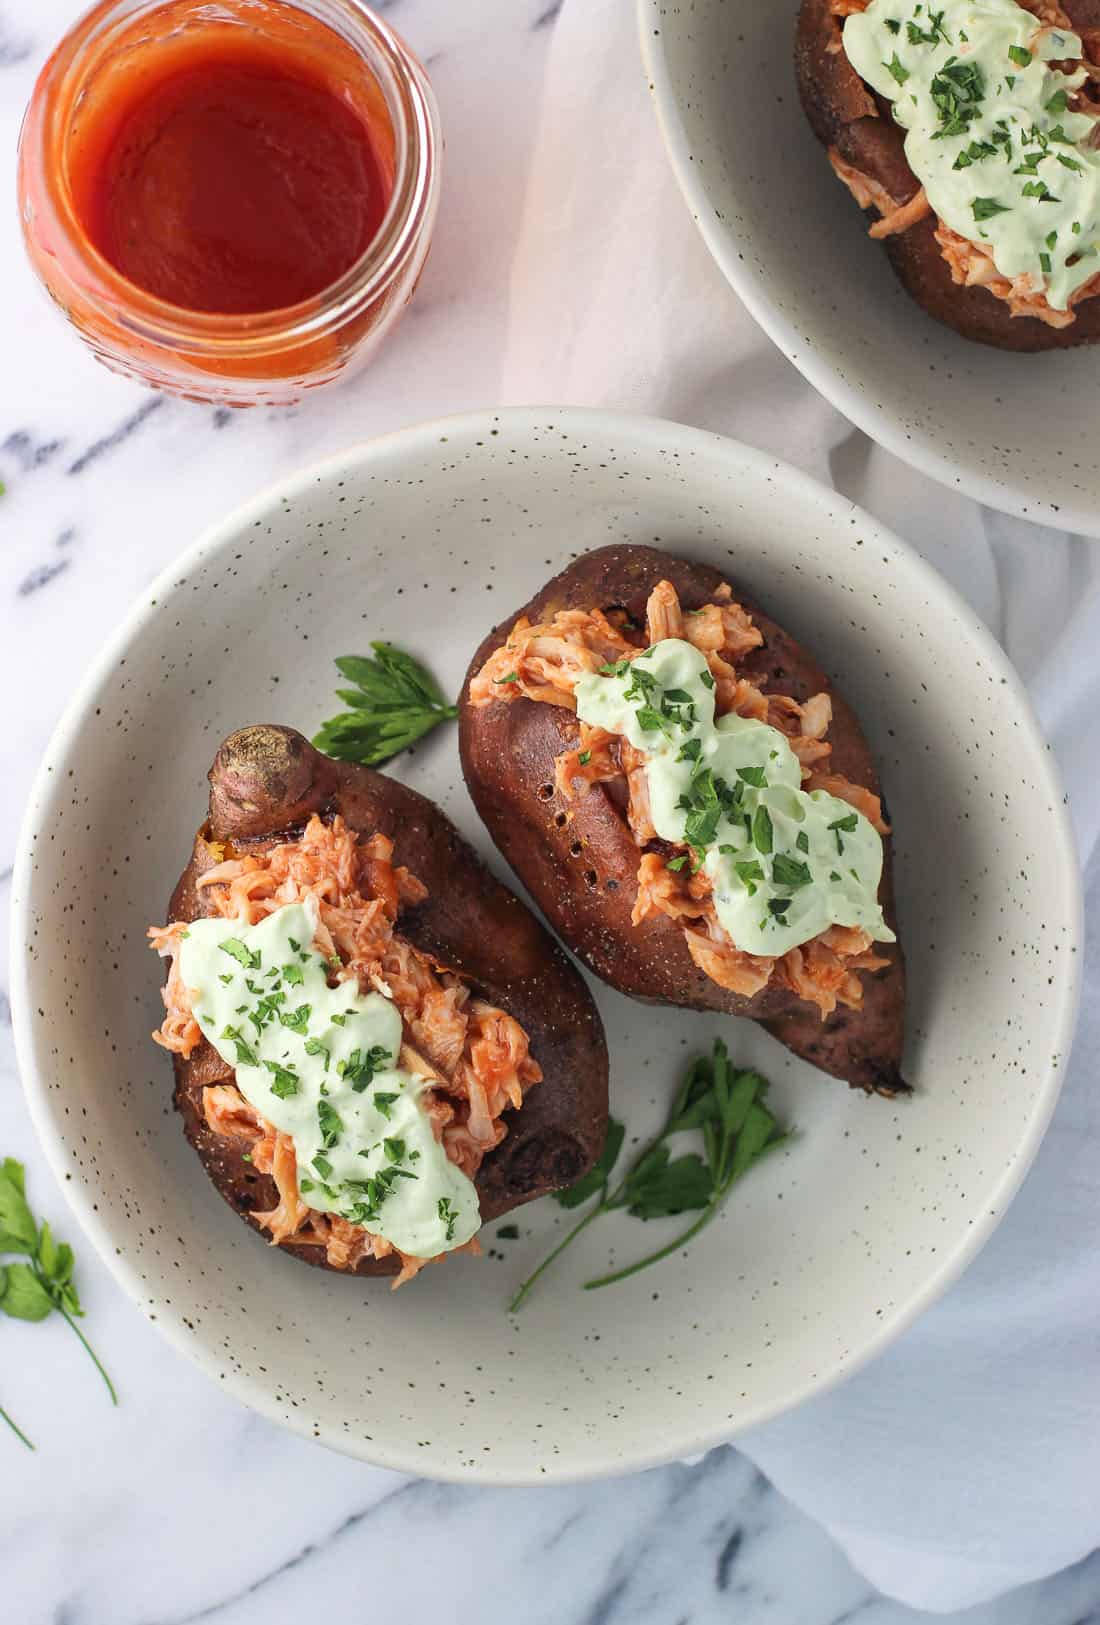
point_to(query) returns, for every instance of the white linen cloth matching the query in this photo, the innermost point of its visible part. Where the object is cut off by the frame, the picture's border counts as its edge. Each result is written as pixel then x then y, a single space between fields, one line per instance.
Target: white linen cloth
pixel 966 1460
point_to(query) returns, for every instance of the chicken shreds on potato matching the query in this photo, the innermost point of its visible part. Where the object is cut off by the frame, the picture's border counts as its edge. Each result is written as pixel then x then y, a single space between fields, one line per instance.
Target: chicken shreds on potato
pixel 270 787
pixel 949 277
pixel 581 848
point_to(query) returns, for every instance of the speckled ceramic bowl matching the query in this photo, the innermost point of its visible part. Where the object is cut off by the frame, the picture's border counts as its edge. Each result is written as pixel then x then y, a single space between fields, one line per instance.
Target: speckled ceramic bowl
pixel 1016 431
pixel 830 1248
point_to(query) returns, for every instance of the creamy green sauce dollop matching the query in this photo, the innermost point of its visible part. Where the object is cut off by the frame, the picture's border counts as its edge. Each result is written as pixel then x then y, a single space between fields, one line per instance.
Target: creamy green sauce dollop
pixel 989 134
pixel 320 1064
pixel 785 863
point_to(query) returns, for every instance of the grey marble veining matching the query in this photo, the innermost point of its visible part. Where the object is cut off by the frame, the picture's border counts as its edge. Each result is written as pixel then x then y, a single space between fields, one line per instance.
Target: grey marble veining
pixel 181 1507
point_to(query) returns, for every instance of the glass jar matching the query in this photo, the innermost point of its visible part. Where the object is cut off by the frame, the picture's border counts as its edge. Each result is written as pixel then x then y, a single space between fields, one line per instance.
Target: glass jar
pixel 269 356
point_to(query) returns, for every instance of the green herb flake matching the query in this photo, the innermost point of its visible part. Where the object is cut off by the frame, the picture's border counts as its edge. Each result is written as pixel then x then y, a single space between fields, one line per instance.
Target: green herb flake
pixel 762 830
pixel 1020 55
pixel 330 1123
pixel 284 1080
pixel 314 1046
pixel 235 948
pixel 984 208
pixel 383 1103
pixel 896 69
pixel 447 1216
pixel 791 872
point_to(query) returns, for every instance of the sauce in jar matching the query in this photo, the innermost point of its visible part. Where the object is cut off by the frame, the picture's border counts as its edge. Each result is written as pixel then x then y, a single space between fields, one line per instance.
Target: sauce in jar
pixel 230 201
pixel 233 185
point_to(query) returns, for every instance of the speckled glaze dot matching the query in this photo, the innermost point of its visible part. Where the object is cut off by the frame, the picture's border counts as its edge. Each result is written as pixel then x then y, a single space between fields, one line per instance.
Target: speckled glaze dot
pixel 1014 431
pixel 830 1247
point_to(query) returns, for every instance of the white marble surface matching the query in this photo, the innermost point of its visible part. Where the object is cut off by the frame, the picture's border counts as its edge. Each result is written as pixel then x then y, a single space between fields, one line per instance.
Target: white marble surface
pixel 181 1506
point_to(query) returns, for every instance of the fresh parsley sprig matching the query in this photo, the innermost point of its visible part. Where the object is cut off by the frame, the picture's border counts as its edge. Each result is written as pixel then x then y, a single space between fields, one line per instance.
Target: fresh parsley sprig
pixel 394 703
pixel 30 1291
pixel 721 1104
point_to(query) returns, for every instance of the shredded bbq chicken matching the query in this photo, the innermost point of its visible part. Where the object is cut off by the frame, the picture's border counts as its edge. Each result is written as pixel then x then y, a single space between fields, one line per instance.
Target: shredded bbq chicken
pixel 543 663
pixel 970 264
pixel 476 1056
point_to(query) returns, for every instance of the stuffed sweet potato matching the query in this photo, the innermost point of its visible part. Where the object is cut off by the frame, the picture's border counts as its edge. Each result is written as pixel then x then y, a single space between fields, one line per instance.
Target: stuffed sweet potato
pixel 969 128
pixel 641 837
pixel 347 981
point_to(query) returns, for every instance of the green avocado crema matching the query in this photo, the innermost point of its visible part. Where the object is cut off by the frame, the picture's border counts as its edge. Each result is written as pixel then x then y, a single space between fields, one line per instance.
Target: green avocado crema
pixel 785 864
pixel 320 1064
pixel 1003 160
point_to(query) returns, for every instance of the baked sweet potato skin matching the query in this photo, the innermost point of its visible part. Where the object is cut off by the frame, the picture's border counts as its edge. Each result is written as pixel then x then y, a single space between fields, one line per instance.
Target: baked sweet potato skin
pixel 578 858
pixel 845 114
pixel 265 783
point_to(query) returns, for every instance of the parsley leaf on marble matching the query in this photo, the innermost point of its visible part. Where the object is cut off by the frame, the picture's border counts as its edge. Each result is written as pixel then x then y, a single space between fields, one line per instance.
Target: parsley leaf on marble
pixel 32 1290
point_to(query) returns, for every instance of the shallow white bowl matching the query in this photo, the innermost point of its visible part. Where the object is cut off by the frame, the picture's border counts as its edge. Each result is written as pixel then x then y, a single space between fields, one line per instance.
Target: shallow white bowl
pixel 826 1252
pixel 1016 431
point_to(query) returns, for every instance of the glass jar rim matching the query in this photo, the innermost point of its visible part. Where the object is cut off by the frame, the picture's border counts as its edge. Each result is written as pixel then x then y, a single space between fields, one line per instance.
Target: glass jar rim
pixel 411 105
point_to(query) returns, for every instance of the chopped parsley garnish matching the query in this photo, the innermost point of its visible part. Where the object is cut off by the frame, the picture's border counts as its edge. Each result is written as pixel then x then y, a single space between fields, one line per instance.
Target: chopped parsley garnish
pixel 985 208
pixel 896 69
pixel 246 1055
pixel 359 1069
pixel 383 1103
pixel 292 975
pixel 394 1149
pixel 512 677
pixel 957 91
pixel 788 871
pixel 927 36
pixel 749 872
pixel 284 1079
pixel 296 1020
pixel 330 1123
pixel 803 841
pixel 778 906
pixel 314 1046
pixel 754 776
pixel 447 1216
pixel 322 1165
pixel 1040 190
pixel 1057 103
pixel 848 824
pixel 1020 55
pixel 690 750
pixel 584 758
pixel 235 948
pixel 762 830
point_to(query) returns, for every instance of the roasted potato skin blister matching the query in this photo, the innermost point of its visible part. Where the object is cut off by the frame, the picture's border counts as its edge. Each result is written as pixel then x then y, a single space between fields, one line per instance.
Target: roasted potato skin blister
pixel 266 782
pixel 578 858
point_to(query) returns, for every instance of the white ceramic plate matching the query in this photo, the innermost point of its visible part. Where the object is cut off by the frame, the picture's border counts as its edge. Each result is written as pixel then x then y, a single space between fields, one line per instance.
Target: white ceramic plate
pixel 1015 431
pixel 427 537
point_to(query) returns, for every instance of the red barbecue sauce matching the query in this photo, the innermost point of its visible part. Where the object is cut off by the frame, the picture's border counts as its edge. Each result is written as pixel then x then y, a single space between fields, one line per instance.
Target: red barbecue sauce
pixel 239 172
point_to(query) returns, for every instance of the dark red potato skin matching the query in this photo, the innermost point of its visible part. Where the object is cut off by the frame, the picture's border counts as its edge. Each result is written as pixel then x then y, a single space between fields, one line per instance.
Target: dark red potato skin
pixel 578 858
pixel 841 110
pixel 265 783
